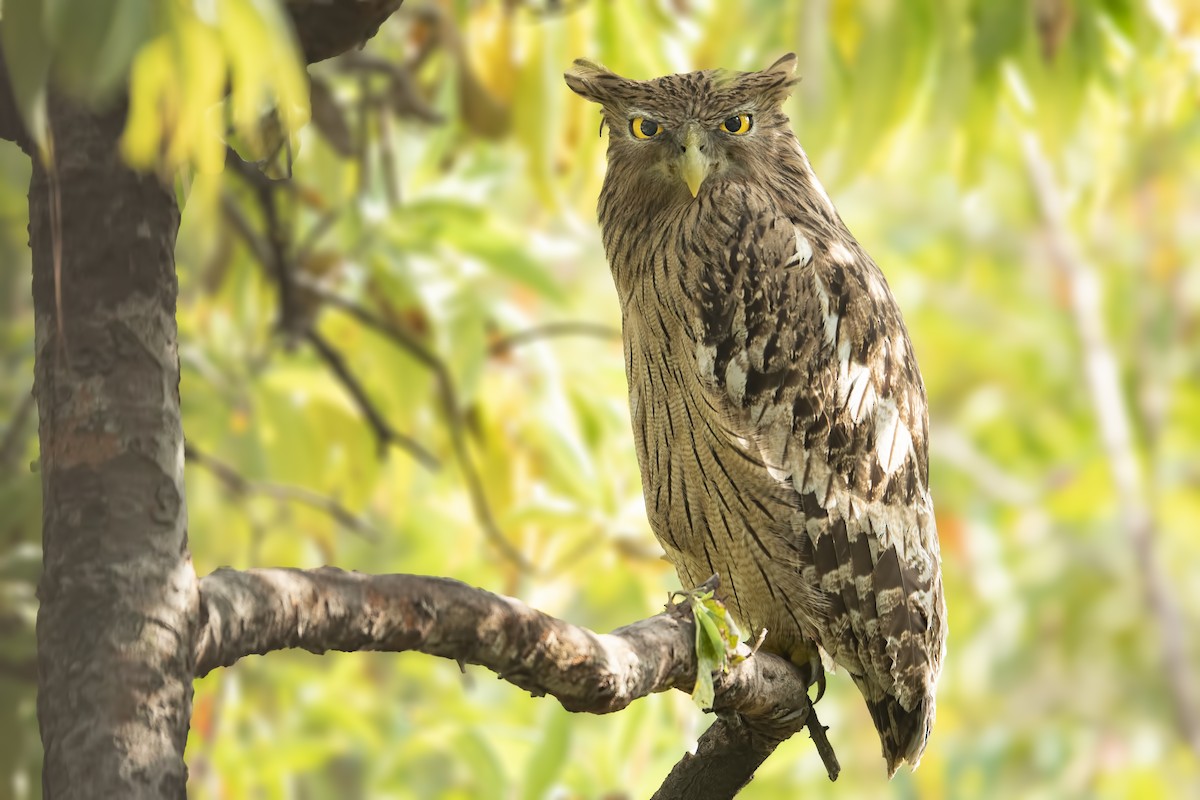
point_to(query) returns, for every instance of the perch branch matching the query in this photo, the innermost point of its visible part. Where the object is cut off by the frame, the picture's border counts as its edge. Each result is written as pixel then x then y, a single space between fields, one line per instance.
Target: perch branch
pixel 761 701
pixel 1113 419
pixel 240 485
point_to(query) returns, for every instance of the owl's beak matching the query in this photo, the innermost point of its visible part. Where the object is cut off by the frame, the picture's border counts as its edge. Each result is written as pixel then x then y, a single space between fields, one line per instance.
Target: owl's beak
pixel 694 164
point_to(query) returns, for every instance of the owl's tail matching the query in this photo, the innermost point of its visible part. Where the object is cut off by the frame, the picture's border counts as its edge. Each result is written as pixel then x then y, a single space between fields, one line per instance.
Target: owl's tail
pixel 903 731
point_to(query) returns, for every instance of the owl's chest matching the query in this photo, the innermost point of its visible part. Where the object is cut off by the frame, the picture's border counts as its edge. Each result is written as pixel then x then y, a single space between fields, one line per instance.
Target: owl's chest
pixel 707 494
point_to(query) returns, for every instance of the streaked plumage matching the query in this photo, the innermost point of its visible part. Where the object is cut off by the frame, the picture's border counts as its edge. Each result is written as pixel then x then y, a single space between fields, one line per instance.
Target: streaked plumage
pixel 778 411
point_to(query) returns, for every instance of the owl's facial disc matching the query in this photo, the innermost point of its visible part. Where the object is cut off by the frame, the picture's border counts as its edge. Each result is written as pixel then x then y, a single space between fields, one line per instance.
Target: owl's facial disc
pixel 694 163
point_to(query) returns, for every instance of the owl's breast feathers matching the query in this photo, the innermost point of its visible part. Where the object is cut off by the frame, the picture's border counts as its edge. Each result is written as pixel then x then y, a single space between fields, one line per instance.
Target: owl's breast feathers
pixel 800 351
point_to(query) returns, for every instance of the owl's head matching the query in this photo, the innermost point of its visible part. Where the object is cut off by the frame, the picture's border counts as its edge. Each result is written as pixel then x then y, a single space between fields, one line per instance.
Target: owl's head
pixel 679 130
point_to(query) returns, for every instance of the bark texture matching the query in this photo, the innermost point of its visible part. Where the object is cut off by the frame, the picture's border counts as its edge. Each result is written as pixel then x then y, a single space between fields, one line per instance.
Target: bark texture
pixel 761 701
pixel 257 611
pixel 118 593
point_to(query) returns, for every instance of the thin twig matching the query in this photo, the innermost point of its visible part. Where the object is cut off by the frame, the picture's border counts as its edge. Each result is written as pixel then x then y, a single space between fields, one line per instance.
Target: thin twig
pixel 235 217
pixel 305 250
pixel 598 330
pixel 385 434
pixel 272 253
pixel 817 732
pixel 1113 419
pixel 239 484
pixel 448 395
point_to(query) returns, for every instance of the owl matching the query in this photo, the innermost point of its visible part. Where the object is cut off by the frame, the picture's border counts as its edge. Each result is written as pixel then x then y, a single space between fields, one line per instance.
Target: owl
pixel 778 412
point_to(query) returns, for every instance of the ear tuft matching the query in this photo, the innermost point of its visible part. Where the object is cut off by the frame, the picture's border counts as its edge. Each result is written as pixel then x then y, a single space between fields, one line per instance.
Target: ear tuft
pixel 781 77
pixel 785 65
pixel 590 80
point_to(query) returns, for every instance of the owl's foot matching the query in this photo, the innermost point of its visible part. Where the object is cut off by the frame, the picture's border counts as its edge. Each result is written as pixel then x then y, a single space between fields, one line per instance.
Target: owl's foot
pixel 816 674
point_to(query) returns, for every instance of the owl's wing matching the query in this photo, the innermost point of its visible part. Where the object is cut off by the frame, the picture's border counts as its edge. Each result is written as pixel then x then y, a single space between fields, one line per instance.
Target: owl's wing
pixel 799 340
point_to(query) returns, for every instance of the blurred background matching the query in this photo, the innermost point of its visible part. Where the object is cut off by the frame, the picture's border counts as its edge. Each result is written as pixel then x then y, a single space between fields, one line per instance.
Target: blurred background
pixel 438 386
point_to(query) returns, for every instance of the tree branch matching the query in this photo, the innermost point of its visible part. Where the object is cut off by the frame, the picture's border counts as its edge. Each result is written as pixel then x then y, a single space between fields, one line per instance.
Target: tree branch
pixel 272 252
pixel 448 398
pixel 239 484
pixel 385 434
pixel 1113 419
pixel 761 700
pixel 503 344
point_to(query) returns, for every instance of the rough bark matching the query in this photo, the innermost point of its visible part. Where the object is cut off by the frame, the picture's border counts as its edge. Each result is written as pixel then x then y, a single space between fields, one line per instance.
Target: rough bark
pixel 257 611
pixel 118 596
pixel 761 701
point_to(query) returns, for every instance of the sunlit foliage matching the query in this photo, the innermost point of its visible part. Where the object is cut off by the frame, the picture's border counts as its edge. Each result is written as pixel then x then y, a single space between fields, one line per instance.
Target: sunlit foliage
pixel 446 187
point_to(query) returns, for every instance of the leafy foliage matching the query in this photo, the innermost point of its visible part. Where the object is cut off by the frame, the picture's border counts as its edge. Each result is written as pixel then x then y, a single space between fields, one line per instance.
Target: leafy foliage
pixel 446 188
pixel 717 639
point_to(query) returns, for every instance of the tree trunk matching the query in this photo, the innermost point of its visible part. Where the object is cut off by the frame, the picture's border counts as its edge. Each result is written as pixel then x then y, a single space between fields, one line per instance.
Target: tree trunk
pixel 118 594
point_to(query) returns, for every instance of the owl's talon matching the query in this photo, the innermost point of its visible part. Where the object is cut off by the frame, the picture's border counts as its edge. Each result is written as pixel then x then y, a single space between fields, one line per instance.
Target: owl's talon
pixel 816 674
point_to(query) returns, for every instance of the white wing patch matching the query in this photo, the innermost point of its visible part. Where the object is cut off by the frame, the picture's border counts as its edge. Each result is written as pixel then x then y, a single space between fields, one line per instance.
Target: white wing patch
pixel 735 380
pixel 824 195
pixel 855 389
pixel 804 251
pixel 829 316
pixel 893 442
pixel 841 254
pixel 706 361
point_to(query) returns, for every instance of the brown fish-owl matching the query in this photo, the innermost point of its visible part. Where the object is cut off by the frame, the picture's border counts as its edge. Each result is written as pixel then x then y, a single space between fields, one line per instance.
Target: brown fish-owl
pixel 778 411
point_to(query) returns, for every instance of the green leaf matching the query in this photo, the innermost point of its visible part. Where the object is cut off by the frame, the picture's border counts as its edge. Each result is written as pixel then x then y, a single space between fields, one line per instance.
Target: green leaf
pixel 94 42
pixel 487 773
pixel 129 28
pixel 547 760
pixel 508 257
pixel 712 644
pixel 27 52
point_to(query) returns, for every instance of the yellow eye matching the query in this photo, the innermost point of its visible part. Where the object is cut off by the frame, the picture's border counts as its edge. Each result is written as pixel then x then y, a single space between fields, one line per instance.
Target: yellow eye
pixel 644 128
pixel 738 125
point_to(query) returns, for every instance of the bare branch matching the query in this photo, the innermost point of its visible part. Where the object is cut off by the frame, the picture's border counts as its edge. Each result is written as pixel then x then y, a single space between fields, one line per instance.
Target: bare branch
pixel 448 396
pixel 273 253
pixel 598 330
pixel 1113 419
pixel 403 95
pixel 239 484
pixel 234 216
pixel 762 700
pixel 731 751
pixel 385 434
